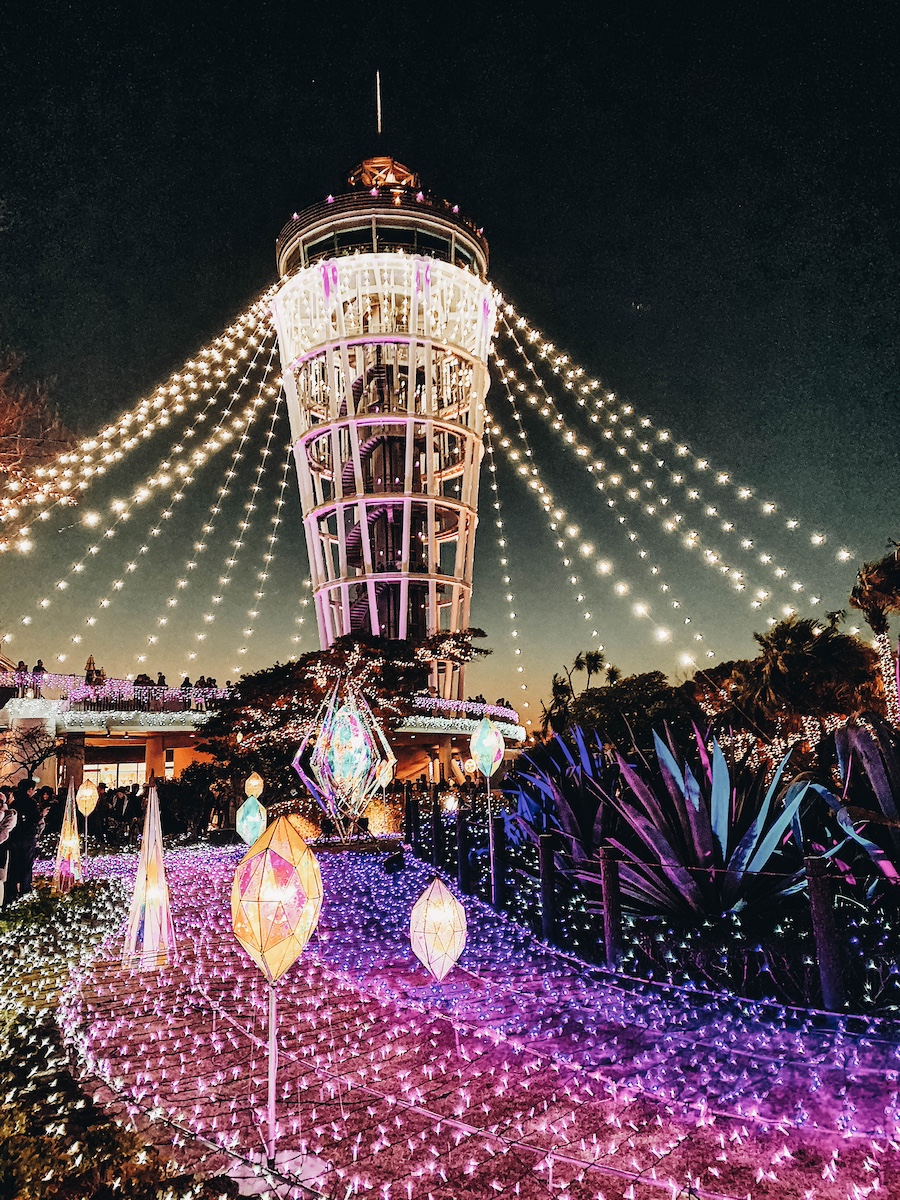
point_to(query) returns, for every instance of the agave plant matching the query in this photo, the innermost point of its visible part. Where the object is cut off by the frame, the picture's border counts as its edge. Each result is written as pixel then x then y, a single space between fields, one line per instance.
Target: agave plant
pixel 868 808
pixel 703 840
pixel 558 788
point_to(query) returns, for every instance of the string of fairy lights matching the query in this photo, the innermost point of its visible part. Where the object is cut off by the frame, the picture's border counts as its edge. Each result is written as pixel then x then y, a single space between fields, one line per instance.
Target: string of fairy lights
pixel 573 547
pixel 200 546
pixel 652 506
pixel 269 555
pixel 639 477
pixel 165 474
pixel 628 429
pixel 70 474
pixel 604 566
pixel 244 525
pixel 503 562
pixel 178 474
pixel 544 497
pixel 243 424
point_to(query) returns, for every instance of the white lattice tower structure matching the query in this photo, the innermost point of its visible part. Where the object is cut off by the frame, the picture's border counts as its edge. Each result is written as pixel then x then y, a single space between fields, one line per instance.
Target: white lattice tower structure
pixel 385 319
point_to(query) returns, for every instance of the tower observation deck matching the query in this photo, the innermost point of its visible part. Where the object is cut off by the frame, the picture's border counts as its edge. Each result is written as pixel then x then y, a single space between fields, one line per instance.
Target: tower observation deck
pixel 385 319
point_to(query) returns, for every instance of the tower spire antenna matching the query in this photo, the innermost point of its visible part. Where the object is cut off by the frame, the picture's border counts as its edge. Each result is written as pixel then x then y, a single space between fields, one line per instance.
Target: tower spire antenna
pixel 378 102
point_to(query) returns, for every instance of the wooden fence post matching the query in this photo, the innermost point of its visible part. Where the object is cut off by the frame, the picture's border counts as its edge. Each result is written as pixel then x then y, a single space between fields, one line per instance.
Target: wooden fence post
pixel 547 864
pixel 828 948
pixel 408 804
pixel 437 832
pixel 498 862
pixel 463 872
pixel 612 907
pixel 413 819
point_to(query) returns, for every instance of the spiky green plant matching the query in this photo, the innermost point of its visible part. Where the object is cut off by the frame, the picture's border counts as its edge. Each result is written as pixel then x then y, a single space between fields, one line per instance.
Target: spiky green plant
pixel 703 839
pixel 867 810
pixel 556 788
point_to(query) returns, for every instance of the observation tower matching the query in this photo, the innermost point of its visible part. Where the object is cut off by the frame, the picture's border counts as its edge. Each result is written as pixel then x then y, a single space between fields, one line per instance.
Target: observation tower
pixel 385 318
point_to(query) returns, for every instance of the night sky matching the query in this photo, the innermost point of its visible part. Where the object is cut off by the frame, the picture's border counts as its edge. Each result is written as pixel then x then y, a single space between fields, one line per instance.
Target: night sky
pixel 699 203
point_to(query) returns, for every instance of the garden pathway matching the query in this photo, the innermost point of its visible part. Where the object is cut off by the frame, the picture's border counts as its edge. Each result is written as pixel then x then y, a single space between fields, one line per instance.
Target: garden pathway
pixel 524 1074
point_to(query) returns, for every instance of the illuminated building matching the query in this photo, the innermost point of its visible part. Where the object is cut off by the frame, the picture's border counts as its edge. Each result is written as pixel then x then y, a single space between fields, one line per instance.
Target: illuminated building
pixel 385 319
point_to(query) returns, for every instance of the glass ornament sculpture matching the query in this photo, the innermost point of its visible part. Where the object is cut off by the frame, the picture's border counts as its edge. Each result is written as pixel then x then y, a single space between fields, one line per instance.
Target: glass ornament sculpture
pixel 437 929
pixel 67 869
pixel 350 760
pixel 487 746
pixel 150 941
pixel 87 797
pixel 276 898
pixel 254 785
pixel 251 818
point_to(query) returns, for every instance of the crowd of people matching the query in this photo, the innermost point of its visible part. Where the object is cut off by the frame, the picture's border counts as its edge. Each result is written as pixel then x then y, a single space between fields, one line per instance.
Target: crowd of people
pixel 23 815
pixel 500 702
pixel 31 678
pixel 27 812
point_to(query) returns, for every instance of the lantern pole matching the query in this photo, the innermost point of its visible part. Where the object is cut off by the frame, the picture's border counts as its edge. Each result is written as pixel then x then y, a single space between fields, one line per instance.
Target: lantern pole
pixel 273 1069
pixel 85 835
pixel 490 825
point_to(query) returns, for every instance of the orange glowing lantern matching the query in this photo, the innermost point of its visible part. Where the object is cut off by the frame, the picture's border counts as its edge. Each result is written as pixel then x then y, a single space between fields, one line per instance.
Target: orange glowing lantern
pixel 87 798
pixel 276 898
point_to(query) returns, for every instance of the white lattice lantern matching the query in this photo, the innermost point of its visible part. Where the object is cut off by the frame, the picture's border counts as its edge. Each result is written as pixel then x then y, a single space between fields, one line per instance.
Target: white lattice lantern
pixel 385 318
pixel 437 929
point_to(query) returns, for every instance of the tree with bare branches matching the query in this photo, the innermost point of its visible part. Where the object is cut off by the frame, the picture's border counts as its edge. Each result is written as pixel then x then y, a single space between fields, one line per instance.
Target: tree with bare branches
pixel 27 748
pixel 32 435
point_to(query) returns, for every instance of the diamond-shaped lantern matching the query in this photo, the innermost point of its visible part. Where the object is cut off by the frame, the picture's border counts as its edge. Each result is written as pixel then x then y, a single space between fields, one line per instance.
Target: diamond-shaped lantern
pixel 276 898
pixel 87 797
pixel 437 929
pixel 487 747
pixel 350 760
pixel 251 817
pixel 250 820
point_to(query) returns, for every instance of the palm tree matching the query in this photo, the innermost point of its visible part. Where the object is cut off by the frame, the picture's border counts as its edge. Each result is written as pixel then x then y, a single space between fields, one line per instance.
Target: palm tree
pixel 591 661
pixel 613 675
pixel 877 593
pixel 555 718
pixel 805 670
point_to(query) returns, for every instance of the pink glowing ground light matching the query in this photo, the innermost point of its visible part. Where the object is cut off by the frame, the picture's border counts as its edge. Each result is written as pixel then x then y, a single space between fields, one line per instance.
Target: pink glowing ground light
pixel 565 1082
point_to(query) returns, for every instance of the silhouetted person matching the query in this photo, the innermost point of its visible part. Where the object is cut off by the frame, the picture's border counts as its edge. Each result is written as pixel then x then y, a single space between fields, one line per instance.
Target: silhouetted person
pixel 8 818
pixel 23 840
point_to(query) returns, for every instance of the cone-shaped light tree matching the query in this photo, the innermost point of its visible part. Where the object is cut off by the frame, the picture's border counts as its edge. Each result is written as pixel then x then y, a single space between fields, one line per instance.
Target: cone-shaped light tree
pixel 150 941
pixel 67 869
